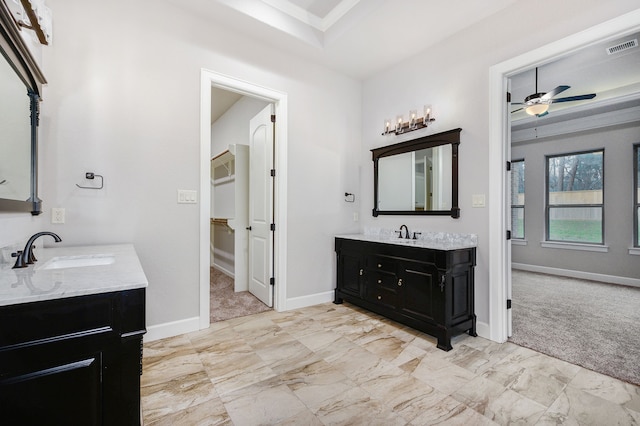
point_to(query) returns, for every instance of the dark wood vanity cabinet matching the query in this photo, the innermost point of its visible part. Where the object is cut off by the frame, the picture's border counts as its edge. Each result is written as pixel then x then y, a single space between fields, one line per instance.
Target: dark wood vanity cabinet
pixel 427 289
pixel 72 361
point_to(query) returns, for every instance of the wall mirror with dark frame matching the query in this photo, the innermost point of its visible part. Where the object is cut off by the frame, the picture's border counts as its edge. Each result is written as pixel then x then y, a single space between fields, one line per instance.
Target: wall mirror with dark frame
pixel 418 177
pixel 20 83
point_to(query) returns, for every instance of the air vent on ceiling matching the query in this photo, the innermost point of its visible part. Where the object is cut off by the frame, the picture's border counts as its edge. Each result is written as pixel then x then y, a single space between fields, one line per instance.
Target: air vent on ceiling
pixel 629 44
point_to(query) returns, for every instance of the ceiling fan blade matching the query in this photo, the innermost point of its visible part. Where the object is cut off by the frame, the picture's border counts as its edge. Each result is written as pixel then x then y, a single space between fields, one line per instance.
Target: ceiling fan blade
pixel 574 98
pixel 551 94
pixel 516 110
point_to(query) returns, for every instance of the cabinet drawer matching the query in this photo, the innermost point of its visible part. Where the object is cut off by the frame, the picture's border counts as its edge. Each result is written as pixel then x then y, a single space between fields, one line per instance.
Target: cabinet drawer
pixel 49 319
pixel 382 279
pixel 382 296
pixel 382 263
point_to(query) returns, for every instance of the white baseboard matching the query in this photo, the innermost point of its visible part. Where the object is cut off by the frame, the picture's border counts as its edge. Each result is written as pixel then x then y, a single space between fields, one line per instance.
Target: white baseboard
pixel 483 330
pixel 304 301
pixel 224 270
pixel 170 329
pixel 611 279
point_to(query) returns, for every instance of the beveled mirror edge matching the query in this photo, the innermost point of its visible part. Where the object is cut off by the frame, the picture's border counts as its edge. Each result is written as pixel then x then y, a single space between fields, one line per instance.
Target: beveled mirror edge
pixel 22 61
pixel 449 137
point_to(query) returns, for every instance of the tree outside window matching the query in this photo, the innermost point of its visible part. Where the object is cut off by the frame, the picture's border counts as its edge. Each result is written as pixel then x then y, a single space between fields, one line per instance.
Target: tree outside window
pixel 575 184
pixel 517 199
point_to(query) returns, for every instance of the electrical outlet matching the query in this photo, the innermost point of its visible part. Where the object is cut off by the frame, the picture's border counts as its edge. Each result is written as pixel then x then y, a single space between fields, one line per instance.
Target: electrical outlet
pixel 355 216
pixel 57 215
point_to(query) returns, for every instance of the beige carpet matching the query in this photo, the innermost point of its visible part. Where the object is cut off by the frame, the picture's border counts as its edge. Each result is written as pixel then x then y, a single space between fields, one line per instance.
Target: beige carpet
pixel 226 304
pixel 587 323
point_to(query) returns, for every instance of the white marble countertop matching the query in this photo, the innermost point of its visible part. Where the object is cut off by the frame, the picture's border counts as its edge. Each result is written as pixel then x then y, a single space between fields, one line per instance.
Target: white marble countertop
pixel 427 240
pixel 113 268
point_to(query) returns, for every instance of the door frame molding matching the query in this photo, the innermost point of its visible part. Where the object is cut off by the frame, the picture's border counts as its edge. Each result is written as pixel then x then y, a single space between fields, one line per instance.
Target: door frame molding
pixel 208 79
pixel 498 138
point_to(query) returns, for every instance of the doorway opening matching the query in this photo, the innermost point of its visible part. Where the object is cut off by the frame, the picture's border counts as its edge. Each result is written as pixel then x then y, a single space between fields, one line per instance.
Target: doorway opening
pixel 241 199
pixel 499 153
pixel 274 260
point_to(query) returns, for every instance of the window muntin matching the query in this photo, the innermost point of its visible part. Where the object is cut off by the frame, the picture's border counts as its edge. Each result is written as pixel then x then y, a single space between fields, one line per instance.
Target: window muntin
pixel 575 209
pixel 517 199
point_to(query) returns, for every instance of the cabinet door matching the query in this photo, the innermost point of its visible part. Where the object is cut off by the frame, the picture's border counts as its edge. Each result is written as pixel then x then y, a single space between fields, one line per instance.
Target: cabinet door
pixel 459 305
pixel 350 273
pixel 63 394
pixel 420 295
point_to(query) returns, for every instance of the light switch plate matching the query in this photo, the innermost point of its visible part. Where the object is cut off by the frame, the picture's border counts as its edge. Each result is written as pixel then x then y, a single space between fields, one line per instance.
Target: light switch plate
pixel 187 196
pixel 478 200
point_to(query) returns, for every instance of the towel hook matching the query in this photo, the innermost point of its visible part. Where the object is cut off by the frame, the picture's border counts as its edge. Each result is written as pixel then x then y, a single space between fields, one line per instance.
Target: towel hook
pixel 90 175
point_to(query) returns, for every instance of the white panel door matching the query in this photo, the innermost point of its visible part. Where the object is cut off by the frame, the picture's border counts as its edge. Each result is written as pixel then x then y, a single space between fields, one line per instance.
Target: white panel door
pixel 260 206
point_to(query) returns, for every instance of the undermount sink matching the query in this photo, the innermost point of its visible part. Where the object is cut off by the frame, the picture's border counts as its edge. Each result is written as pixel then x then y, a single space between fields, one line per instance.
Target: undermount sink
pixel 62 262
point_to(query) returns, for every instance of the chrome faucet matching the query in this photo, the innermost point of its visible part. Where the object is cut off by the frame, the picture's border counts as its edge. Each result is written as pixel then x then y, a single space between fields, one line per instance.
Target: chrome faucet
pixel 406 231
pixel 26 257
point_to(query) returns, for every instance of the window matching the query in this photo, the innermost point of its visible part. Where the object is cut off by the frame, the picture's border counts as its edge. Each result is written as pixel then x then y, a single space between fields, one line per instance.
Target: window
pixel 636 193
pixel 517 199
pixel 575 207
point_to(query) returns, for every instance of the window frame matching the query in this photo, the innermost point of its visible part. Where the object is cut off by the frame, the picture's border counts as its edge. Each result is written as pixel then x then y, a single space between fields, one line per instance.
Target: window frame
pixel 518 206
pixel 549 207
pixel 636 198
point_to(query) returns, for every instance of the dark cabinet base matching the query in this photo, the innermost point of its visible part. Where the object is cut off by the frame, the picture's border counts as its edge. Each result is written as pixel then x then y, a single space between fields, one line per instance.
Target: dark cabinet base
pixel 426 289
pixel 72 361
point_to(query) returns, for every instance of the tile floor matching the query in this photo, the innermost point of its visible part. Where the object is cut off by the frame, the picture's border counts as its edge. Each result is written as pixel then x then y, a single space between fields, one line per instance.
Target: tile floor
pixel 340 365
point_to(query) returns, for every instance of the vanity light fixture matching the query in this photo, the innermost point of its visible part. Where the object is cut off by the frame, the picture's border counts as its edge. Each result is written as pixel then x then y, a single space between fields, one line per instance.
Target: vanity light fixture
pixel 414 123
pixel 38 19
pixel 399 124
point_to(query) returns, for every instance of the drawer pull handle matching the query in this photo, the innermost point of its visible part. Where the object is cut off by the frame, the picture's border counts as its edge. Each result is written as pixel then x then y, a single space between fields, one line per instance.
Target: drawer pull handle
pixel 400 282
pixel 379 281
pixel 379 297
pixel 379 265
pixel 361 272
pixel 443 280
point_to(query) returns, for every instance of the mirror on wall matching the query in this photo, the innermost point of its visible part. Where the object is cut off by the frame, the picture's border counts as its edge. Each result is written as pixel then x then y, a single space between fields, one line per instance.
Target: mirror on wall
pixel 20 81
pixel 418 177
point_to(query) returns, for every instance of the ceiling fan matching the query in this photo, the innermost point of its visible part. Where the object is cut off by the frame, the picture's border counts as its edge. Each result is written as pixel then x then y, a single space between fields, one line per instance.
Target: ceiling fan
pixel 538 103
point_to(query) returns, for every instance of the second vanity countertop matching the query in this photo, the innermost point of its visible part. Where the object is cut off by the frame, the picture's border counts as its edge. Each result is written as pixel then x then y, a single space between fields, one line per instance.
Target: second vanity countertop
pixel 428 240
pixel 72 271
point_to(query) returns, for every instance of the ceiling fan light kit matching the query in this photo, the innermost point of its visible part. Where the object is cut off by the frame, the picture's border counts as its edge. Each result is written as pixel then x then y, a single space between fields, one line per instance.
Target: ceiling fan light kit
pixel 537 109
pixel 538 103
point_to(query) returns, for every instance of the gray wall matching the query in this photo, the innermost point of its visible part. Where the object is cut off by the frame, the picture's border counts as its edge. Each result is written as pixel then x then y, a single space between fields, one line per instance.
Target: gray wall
pixel 618 202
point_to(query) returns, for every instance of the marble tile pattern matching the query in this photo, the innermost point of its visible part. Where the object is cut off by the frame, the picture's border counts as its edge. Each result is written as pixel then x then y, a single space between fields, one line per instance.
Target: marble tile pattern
pixel 37 283
pixel 341 365
pixel 424 239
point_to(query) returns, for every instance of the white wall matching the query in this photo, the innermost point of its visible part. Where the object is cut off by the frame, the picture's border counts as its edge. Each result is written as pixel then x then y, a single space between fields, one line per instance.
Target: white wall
pixel 453 77
pixel 123 101
pixel 233 126
pixel 618 202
